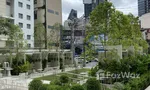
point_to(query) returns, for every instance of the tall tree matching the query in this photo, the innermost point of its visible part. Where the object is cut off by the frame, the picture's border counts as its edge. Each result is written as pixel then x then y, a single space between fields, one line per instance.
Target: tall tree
pixel 39 36
pixel 55 35
pixel 118 28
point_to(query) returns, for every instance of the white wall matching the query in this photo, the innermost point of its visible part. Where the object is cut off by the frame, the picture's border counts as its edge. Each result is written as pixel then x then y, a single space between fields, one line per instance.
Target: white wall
pixel 145 20
pixel 25 12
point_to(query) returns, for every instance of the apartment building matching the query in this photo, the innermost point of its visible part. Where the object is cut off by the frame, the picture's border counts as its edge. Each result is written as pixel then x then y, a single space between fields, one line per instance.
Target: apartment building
pixel 21 12
pixel 89 5
pixel 47 12
pixel 143 7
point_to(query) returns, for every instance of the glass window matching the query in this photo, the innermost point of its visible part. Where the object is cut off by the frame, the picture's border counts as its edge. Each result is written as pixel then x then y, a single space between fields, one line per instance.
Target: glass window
pixel 28 26
pixel 20 16
pixel 28 6
pixel 51 11
pixel 50 27
pixel 35 1
pixel 29 45
pixel 20 4
pixel 35 14
pixel 29 37
pixel 28 17
pixel 57 13
pixel 21 25
pixel 8 3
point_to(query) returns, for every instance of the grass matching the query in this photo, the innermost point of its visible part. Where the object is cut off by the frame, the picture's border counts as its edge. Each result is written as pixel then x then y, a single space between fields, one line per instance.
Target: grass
pixel 54 77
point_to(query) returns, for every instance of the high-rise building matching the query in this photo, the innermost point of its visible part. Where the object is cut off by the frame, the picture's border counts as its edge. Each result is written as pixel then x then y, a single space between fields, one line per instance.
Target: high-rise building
pixel 21 12
pixel 89 5
pixel 47 12
pixel 143 7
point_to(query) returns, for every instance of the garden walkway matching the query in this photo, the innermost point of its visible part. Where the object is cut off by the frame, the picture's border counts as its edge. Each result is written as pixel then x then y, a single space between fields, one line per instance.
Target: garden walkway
pixel 148 88
pixel 22 82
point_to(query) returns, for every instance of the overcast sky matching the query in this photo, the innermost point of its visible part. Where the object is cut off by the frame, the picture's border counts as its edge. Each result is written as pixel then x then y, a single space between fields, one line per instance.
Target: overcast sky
pixel 126 6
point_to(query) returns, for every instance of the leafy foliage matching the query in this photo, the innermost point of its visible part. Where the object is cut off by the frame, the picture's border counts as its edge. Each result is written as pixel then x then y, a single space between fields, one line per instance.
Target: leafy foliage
pixel 139 83
pixel 77 87
pixel 35 85
pixel 39 35
pixel 93 84
pixel 64 79
pixel 118 28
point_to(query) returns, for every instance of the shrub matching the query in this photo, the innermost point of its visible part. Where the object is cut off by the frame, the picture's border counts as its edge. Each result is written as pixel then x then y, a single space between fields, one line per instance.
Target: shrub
pixel 64 79
pixel 54 87
pixel 77 87
pixel 56 82
pixel 118 86
pixel 93 84
pixel 93 71
pixel 139 83
pixel 35 85
pixel 44 87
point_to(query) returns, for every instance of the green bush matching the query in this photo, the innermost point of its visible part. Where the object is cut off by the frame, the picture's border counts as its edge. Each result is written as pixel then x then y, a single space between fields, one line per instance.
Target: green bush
pixel 77 87
pixel 139 83
pixel 56 82
pixel 118 86
pixel 25 67
pixel 93 84
pixel 44 87
pixel 93 71
pixel 64 79
pixel 54 87
pixel 35 84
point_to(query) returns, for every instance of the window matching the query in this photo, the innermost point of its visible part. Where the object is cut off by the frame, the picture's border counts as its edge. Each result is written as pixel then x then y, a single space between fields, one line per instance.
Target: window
pixel 57 13
pixel 20 4
pixel 28 26
pixel 35 14
pixel 20 16
pixel 29 37
pixel 28 17
pixel 35 1
pixel 50 27
pixel 50 11
pixel 28 6
pixel 8 3
pixel 29 45
pixel 21 25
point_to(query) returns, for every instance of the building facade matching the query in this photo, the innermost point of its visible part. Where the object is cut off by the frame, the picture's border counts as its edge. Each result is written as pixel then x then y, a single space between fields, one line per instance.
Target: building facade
pixel 47 12
pixel 143 7
pixel 145 26
pixel 89 5
pixel 21 12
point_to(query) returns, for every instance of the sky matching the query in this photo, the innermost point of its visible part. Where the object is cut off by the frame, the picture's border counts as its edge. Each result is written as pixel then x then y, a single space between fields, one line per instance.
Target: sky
pixel 126 6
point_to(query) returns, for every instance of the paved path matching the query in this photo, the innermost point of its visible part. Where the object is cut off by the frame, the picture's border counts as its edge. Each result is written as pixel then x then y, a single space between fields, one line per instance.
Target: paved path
pixel 21 82
pixel 148 88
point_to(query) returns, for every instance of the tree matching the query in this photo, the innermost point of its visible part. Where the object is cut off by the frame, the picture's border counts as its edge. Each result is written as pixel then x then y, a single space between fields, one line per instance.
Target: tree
pixel 117 28
pixel 40 36
pixel 93 84
pixel 54 36
pixel 4 26
pixel 15 42
pixel 54 41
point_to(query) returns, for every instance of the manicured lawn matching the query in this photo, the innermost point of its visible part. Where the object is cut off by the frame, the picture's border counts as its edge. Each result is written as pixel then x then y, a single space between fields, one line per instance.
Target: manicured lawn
pixel 54 77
